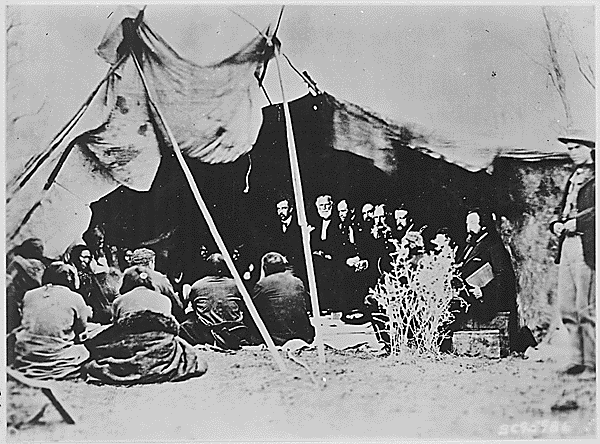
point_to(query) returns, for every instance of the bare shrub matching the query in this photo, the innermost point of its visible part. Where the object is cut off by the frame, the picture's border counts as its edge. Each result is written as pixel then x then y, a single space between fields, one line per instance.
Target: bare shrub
pixel 416 296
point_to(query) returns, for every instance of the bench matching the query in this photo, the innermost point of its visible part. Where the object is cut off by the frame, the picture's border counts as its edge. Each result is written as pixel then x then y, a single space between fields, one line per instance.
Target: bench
pixel 489 339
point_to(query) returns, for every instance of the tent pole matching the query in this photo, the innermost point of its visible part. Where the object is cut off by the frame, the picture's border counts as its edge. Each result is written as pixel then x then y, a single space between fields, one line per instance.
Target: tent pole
pixel 299 197
pixel 60 136
pixel 211 225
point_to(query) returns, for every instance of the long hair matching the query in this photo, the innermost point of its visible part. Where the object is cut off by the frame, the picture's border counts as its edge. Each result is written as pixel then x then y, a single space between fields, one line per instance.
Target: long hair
pixel 93 236
pixel 75 253
pixel 31 248
pixel 59 273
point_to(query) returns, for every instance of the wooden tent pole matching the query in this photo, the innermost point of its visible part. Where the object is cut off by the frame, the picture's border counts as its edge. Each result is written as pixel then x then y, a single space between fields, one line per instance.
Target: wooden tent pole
pixel 211 225
pixel 299 197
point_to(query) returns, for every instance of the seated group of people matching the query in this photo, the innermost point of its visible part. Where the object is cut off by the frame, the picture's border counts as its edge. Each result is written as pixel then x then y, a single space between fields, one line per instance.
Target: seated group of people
pixel 220 315
pixel 134 328
pixel 349 251
pixel 140 344
pixel 84 316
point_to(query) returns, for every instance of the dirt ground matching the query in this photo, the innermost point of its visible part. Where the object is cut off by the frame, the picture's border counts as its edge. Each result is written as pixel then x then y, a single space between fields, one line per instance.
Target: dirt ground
pixel 355 395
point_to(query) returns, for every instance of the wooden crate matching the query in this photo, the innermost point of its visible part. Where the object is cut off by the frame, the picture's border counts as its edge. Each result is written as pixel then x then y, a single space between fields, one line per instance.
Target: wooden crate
pixel 484 343
pixel 500 323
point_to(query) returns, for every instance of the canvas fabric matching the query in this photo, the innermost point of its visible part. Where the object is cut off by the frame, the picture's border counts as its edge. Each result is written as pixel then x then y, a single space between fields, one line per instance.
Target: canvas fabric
pixel 212 111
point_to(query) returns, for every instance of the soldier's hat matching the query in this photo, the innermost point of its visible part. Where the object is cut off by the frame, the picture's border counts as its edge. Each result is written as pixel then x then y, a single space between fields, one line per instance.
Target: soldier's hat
pixel 577 135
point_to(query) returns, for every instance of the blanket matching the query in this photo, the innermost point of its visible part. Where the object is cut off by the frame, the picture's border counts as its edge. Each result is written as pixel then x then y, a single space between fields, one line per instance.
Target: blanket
pixel 46 357
pixel 142 348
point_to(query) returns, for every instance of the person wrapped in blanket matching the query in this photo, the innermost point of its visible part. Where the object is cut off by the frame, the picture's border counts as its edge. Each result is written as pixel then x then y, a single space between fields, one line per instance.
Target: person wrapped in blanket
pixel 24 270
pixel 142 345
pixel 145 257
pixel 217 317
pixel 54 320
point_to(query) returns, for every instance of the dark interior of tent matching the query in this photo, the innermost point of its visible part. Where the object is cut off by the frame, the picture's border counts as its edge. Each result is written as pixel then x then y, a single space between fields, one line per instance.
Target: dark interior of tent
pixel 242 195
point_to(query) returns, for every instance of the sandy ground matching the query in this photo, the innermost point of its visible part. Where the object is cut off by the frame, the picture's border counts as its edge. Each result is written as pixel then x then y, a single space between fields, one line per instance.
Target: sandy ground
pixel 354 395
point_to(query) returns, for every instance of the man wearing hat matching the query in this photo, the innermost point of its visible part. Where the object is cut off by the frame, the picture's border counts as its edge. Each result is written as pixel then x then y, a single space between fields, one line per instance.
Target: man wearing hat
pixel 575 226
pixel 147 258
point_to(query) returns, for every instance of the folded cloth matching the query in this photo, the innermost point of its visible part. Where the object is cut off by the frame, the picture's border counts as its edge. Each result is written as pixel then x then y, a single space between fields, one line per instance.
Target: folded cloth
pixel 142 348
pixel 47 357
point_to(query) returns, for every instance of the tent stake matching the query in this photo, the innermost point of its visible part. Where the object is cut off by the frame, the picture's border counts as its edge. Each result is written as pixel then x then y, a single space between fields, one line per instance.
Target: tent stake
pixel 299 197
pixel 211 225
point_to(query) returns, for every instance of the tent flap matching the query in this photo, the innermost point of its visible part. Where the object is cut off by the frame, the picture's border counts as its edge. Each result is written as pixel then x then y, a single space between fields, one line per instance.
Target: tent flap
pixel 372 136
pixel 126 145
pixel 212 110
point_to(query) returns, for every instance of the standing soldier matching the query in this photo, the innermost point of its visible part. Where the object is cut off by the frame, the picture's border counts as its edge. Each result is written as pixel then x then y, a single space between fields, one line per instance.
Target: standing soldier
pixel 576 255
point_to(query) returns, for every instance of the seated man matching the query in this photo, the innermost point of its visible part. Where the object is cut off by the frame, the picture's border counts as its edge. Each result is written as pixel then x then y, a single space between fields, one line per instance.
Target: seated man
pixel 48 342
pixel 353 264
pixel 217 317
pixel 142 345
pixel 486 267
pixel 92 285
pixel 280 299
pixel 327 246
pixel 287 237
pixel 144 257
pixel 441 240
pixel 23 273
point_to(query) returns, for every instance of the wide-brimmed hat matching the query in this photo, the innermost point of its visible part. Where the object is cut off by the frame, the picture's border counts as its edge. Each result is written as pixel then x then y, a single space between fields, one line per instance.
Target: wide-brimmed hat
pixel 578 135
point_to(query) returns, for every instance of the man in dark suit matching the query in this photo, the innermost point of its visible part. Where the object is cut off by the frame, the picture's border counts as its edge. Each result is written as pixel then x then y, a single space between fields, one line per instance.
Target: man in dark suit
pixel 353 265
pixel 486 266
pixel 287 238
pixel 575 225
pixel 327 246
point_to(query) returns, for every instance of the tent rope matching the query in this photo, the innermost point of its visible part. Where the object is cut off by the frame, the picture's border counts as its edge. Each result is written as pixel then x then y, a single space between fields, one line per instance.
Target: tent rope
pixel 247 189
pixel 25 219
pixel 38 204
pixel 62 134
pixel 303 75
pixel 59 165
pixel 78 197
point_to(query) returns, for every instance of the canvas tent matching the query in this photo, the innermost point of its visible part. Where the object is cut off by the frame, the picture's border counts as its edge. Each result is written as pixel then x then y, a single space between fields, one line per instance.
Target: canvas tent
pixel 125 170
pixel 521 186
pixel 215 119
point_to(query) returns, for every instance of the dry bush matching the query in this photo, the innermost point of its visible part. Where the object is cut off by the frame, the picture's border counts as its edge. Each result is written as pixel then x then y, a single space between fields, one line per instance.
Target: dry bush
pixel 416 295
